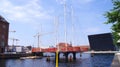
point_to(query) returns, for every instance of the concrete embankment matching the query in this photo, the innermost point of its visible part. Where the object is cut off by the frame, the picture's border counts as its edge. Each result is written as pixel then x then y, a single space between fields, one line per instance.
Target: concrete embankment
pixel 18 55
pixel 13 56
pixel 116 60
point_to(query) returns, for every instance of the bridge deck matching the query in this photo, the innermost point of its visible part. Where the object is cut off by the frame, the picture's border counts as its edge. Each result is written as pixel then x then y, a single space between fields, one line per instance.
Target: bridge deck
pixel 64 49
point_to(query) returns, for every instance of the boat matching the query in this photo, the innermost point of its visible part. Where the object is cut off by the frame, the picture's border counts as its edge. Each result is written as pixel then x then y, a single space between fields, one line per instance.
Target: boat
pixel 31 57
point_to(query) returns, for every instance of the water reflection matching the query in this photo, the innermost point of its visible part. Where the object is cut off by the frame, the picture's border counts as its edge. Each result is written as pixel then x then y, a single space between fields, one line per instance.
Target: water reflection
pixel 102 60
pixel 2 63
pixel 85 61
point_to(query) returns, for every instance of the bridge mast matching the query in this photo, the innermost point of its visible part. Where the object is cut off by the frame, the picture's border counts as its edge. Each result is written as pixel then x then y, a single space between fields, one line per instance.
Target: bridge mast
pixel 65 26
pixel 56 21
pixel 56 32
pixel 72 21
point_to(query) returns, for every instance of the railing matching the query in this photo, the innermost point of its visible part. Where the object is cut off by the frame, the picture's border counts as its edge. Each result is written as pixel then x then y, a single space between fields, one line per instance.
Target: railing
pixel 63 49
pixel 102 52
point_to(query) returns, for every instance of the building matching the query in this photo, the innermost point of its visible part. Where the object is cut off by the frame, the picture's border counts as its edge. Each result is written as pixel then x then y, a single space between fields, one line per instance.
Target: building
pixel 101 42
pixel 17 49
pixel 4 29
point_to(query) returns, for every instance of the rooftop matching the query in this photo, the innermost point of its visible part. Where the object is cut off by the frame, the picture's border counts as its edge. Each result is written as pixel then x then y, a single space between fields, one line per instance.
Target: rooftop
pixel 2 19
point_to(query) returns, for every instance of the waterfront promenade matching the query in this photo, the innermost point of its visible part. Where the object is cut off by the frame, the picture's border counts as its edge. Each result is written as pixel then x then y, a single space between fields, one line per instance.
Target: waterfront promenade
pixel 116 60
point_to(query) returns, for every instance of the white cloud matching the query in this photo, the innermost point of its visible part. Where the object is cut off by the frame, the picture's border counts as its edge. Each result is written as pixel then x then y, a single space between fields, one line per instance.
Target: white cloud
pixel 29 12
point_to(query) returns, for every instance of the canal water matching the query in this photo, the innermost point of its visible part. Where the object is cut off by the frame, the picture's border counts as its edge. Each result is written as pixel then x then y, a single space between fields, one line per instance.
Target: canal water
pixel 85 61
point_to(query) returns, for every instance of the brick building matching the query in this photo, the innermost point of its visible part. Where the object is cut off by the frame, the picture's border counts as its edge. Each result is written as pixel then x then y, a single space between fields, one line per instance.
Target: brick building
pixel 4 29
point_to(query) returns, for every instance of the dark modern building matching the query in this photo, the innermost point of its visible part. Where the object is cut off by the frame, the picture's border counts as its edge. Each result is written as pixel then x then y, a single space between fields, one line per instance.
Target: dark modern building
pixel 101 42
pixel 4 30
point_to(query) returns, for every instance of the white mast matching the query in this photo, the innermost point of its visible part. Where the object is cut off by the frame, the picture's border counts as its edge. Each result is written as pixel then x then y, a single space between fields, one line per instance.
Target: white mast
pixel 56 30
pixel 65 24
pixel 72 21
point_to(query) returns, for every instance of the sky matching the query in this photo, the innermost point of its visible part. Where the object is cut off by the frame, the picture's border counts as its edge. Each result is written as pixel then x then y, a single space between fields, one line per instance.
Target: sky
pixel 30 17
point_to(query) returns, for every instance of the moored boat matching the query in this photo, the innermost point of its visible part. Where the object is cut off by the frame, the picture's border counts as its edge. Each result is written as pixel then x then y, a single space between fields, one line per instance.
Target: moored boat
pixel 31 57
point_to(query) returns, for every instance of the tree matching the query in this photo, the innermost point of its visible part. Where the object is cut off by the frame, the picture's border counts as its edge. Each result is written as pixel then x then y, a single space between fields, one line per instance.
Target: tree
pixel 113 17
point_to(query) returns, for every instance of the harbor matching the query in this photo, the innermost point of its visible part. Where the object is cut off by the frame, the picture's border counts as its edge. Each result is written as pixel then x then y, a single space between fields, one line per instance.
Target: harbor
pixel 59 33
pixel 85 61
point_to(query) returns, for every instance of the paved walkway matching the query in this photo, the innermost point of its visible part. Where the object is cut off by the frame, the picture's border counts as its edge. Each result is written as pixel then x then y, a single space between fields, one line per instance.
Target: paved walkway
pixel 116 60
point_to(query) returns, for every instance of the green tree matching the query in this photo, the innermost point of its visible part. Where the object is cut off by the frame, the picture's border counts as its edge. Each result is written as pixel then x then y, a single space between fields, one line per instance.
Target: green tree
pixel 113 17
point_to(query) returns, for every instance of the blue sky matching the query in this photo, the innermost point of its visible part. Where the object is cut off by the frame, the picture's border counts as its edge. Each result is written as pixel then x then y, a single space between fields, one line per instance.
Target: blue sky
pixel 27 17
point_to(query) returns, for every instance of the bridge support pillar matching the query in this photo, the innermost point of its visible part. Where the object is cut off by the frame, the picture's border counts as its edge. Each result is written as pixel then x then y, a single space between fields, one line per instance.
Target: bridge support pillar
pixel 80 54
pixel 58 56
pixel 66 56
pixel 74 56
pixel 37 53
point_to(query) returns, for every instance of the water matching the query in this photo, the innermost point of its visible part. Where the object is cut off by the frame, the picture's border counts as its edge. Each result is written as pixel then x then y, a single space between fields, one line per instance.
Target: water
pixel 85 61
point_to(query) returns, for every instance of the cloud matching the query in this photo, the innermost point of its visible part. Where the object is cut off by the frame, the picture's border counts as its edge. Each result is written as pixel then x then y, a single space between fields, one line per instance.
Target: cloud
pixel 29 12
pixel 27 16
